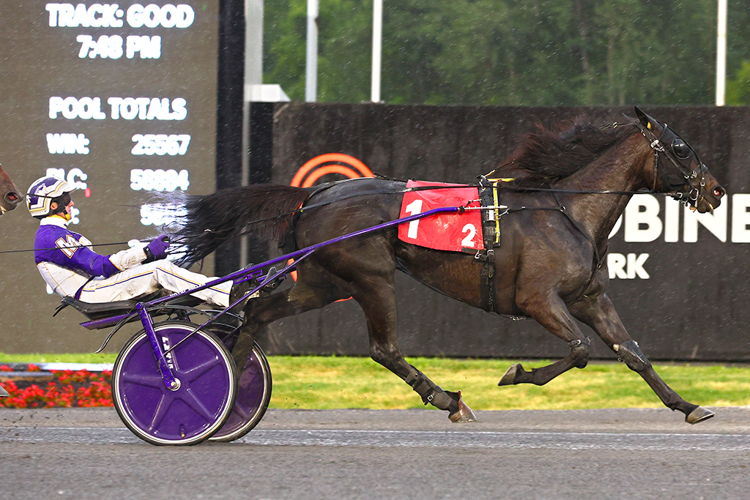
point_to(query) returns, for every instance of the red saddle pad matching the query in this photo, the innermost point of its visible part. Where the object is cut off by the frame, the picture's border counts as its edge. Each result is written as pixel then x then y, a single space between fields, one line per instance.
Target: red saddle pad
pixel 456 232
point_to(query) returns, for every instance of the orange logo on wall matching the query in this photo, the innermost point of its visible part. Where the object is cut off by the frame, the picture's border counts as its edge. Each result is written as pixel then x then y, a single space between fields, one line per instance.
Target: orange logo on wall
pixel 329 163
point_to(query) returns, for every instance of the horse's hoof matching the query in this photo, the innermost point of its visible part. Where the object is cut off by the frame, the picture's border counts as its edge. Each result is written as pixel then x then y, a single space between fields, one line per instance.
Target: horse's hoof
pixel 699 414
pixel 509 378
pixel 463 414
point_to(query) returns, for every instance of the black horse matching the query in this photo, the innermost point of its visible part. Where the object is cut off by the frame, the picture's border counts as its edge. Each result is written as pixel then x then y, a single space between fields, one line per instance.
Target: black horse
pixel 570 187
pixel 9 197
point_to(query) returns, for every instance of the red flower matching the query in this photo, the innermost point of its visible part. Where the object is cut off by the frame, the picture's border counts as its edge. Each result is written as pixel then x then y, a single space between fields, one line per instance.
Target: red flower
pixel 67 389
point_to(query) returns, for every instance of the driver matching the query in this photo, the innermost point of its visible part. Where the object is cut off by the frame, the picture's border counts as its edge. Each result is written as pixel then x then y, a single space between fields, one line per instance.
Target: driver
pixel 69 266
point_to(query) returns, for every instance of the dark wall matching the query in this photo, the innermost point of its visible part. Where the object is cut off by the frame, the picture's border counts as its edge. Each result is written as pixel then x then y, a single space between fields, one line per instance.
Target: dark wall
pixel 692 305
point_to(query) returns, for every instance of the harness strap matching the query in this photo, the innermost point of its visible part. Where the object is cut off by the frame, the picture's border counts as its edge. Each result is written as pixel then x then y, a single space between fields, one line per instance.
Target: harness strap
pixel 489 197
pixel 597 261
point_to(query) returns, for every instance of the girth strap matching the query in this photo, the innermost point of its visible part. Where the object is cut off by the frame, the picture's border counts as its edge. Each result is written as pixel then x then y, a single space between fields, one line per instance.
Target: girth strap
pixel 488 196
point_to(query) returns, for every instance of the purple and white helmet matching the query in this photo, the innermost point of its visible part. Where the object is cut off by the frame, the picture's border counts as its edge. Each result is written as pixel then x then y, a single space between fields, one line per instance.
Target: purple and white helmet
pixel 43 192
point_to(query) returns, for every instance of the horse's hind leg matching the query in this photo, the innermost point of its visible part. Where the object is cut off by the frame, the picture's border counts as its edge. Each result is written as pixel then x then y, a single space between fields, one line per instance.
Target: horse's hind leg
pixel 377 298
pixel 375 294
pixel 599 313
pixel 552 313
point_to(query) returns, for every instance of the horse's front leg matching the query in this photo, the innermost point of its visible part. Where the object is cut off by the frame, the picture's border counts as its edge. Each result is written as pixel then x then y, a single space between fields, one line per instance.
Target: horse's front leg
pixel 552 313
pixel 599 313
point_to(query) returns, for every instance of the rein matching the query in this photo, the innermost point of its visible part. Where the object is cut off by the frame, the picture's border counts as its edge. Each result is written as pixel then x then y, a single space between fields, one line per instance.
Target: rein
pixel 406 190
pixel 483 182
pixel 655 143
pixel 73 246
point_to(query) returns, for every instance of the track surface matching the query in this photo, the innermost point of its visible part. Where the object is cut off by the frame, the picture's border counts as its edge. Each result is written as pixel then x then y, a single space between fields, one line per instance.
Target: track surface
pixel 649 453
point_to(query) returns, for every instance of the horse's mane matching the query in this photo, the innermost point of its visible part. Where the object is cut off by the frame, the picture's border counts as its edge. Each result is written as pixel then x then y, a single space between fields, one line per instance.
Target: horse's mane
pixel 546 155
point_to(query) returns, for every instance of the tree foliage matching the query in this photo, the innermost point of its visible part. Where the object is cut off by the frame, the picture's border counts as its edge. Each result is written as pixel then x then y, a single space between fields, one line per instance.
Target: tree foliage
pixel 500 52
pixel 738 89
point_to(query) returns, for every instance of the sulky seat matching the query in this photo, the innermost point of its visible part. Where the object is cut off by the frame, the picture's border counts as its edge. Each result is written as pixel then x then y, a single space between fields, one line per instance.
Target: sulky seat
pixel 98 310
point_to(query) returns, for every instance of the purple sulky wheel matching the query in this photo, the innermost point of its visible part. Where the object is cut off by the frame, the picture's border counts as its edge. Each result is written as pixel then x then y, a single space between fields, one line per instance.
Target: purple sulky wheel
pixel 197 408
pixel 253 395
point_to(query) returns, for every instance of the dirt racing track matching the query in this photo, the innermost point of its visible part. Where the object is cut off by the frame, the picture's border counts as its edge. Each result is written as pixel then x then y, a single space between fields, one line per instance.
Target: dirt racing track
pixel 615 453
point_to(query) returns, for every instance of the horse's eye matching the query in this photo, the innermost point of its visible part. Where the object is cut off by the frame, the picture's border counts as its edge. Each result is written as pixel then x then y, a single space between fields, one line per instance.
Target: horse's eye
pixel 680 149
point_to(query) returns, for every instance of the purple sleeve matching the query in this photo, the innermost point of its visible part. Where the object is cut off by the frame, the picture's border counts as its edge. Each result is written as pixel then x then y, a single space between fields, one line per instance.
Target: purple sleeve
pixel 63 247
pixel 86 260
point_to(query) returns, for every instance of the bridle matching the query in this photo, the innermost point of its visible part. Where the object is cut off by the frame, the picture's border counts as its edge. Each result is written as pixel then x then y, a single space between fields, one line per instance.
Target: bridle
pixel 678 152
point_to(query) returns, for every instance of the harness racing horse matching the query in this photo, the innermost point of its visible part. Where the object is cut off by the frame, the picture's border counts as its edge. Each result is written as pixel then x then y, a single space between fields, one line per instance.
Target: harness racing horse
pixel 9 199
pixel 570 188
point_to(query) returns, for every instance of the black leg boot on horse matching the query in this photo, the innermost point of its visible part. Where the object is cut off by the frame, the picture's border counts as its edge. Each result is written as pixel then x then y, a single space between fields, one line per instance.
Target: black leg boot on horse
pixel 458 411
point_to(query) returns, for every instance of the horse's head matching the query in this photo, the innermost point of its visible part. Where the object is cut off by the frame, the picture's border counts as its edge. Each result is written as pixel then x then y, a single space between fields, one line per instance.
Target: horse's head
pixel 677 167
pixel 9 197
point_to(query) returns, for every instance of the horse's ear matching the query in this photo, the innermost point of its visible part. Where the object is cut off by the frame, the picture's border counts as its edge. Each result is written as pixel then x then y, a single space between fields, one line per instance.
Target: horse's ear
pixel 643 117
pixel 647 121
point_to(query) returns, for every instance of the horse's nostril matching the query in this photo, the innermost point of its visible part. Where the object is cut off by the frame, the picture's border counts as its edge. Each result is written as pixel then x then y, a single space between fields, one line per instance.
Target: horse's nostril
pixel 719 192
pixel 12 197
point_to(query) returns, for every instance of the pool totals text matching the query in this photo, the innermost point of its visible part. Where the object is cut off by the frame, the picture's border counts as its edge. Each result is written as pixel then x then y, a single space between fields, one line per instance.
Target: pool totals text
pixel 124 92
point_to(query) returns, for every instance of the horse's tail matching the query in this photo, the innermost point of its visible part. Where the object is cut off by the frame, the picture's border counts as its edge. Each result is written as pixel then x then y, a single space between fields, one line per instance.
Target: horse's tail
pixel 263 210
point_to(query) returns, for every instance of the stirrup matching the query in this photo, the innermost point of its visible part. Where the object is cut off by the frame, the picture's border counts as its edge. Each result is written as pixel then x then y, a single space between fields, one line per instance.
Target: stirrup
pixel 270 285
pixel 239 290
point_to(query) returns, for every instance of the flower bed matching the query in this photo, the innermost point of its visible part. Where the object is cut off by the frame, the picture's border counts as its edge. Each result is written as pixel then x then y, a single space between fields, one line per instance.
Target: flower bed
pixel 65 389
